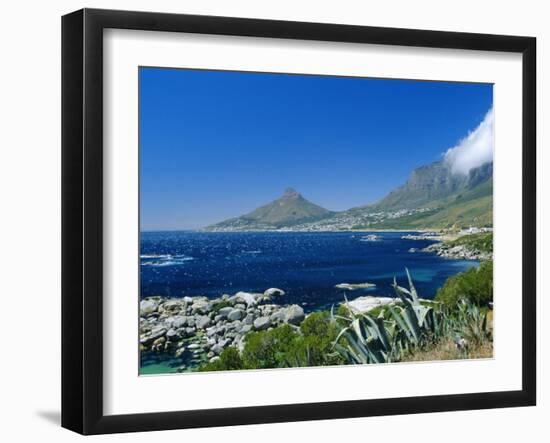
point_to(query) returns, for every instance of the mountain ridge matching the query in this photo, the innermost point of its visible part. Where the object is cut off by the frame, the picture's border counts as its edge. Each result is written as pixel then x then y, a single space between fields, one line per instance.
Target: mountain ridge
pixel 431 197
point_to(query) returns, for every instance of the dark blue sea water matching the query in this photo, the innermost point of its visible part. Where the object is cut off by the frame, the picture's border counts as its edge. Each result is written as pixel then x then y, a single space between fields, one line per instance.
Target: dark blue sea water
pixel 306 266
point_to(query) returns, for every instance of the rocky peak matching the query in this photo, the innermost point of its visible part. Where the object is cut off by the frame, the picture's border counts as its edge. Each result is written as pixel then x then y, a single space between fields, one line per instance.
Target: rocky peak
pixel 291 193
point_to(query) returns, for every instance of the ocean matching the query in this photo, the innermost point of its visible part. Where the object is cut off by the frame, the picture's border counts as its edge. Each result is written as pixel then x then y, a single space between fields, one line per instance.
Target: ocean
pixel 306 265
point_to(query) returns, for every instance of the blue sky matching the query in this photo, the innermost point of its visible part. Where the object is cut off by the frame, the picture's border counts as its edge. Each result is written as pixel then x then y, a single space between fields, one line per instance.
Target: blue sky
pixel 215 145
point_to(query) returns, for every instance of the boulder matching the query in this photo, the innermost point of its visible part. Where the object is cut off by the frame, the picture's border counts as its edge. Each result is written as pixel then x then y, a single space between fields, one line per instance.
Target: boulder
pixel 157 331
pixel 273 292
pixel 147 307
pixel 172 306
pixel 172 335
pixel 249 319
pixel 367 303
pixel 176 321
pixel 158 344
pixel 210 332
pixel 294 315
pixel 217 349
pixel 262 323
pixel 224 312
pixel 203 322
pixel 235 314
pixel 180 351
pixel 278 316
pixel 245 297
pixel 200 306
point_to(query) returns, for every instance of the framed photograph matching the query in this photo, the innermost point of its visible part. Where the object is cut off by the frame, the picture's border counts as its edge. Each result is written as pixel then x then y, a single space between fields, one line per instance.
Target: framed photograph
pixel 268 221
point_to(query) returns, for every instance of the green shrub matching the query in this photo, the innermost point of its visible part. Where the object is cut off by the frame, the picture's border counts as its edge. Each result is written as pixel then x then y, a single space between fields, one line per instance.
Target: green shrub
pixel 229 360
pixel 474 285
pixel 284 347
pixel 478 242
pixel 316 344
pixel 269 349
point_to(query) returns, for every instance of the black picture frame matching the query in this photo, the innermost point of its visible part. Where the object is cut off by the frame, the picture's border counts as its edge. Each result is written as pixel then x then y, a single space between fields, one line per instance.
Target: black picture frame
pixel 82 218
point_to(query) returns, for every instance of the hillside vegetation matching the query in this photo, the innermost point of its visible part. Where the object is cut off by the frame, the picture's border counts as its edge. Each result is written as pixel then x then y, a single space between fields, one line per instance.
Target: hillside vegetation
pixel 481 242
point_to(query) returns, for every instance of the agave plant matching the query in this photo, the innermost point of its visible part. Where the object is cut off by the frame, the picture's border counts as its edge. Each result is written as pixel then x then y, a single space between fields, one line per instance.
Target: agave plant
pixel 364 339
pixel 411 323
pixel 470 323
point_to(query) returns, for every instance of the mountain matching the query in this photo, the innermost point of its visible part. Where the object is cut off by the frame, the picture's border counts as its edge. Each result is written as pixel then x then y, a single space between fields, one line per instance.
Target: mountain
pixel 288 210
pixel 433 197
pixel 428 185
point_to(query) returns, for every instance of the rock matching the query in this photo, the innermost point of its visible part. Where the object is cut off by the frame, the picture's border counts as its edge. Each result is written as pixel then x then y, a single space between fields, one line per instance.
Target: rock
pixel 158 331
pixel 172 335
pixel 147 307
pixel 367 303
pixel 200 306
pixel 245 329
pixel 262 323
pixel 188 300
pixel 263 299
pixel 224 312
pixel 194 346
pixel 294 315
pixel 354 286
pixel 210 332
pixel 213 359
pixel 190 321
pixel 278 316
pixel 217 349
pixel 145 339
pixel 172 306
pixel 235 314
pixel 177 321
pixel 180 351
pixel 203 322
pixel 245 297
pixel 249 319
pixel 158 344
pixel 274 292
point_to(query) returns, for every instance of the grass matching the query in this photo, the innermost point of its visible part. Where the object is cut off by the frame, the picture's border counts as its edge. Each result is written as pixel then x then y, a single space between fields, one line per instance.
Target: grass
pixel 479 242
pixel 446 350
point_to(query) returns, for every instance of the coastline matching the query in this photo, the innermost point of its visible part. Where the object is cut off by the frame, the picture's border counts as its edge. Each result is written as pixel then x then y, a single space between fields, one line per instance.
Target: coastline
pixel 190 331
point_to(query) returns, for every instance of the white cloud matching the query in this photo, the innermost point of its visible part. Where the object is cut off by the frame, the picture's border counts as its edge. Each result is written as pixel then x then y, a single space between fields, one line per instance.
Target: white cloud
pixel 475 149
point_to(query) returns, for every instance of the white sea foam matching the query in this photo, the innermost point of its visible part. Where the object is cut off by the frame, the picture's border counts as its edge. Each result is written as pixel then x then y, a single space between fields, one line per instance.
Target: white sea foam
pixel 165 259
